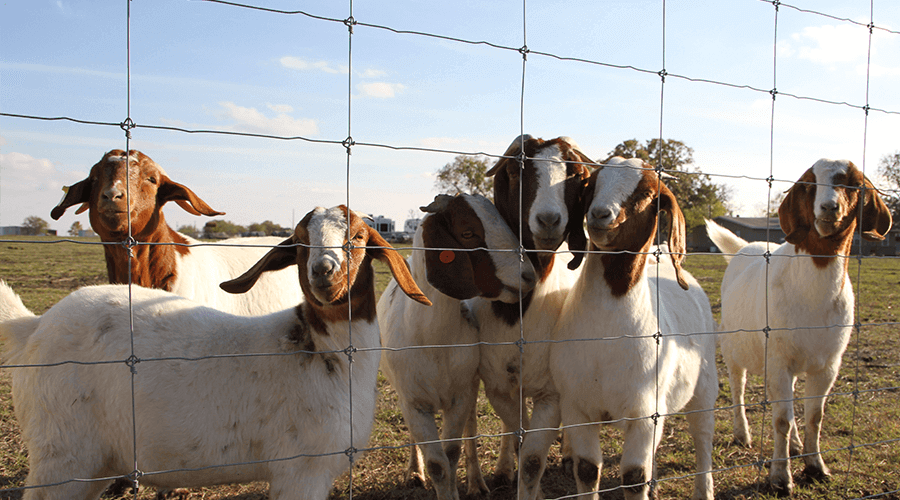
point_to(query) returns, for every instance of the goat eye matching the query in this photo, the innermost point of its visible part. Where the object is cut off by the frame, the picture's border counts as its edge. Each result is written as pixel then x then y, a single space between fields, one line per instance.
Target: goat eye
pixel 468 235
pixel 360 235
pixel 152 180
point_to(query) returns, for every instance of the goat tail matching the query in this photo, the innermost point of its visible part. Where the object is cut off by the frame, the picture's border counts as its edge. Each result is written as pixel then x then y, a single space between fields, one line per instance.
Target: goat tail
pixel 17 323
pixel 727 242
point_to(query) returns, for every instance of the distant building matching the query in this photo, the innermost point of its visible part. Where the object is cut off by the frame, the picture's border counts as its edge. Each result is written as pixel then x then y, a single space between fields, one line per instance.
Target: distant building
pixel 382 224
pixel 769 229
pixel 82 233
pixel 748 228
pixel 411 225
pixel 11 230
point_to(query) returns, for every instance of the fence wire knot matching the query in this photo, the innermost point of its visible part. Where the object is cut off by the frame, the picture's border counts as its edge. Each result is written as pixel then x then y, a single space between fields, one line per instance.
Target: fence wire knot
pixel 521 252
pixel 127 125
pixel 770 179
pixel 134 477
pixel 766 331
pixel 655 418
pixel 773 92
pixel 350 23
pixel 349 351
pixel 866 109
pixel 520 343
pixel 663 74
pixel 351 452
pixel 131 361
pixel 348 143
pixel 767 255
pixel 524 51
pixel 657 337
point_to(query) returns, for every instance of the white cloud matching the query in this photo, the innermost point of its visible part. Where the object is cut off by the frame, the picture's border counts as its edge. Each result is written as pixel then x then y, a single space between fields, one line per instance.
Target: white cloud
pixel 253 121
pixel 28 172
pixel 281 108
pixel 303 65
pixel 372 73
pixel 828 44
pixel 380 90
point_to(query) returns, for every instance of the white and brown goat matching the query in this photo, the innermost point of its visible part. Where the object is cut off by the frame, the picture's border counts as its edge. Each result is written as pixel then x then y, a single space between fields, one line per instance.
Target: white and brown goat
pixel 218 398
pixel 545 180
pixel 462 249
pixel 120 186
pixel 634 342
pixel 808 316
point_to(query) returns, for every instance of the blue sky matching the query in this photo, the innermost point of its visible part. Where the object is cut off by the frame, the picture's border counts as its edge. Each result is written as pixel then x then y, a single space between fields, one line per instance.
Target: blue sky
pixel 207 66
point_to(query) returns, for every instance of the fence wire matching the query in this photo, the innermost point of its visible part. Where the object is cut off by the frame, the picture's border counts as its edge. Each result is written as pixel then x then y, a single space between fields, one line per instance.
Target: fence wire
pixel 130 127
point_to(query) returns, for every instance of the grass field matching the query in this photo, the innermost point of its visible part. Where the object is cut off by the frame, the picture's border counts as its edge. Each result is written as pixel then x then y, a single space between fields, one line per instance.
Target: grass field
pixel 860 437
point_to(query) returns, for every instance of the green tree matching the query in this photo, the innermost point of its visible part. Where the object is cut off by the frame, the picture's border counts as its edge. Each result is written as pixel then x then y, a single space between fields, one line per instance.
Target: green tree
pixel 191 230
pixel 889 170
pixel 34 225
pixel 215 228
pixel 466 174
pixel 268 227
pixel 698 196
pixel 75 228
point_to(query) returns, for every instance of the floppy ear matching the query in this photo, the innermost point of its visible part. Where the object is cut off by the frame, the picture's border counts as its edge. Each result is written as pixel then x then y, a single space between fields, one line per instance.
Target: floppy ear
pixel 576 239
pixel 396 264
pixel 184 197
pixel 793 213
pixel 276 259
pixel 513 150
pixel 80 192
pixel 677 245
pixel 449 271
pixel 876 217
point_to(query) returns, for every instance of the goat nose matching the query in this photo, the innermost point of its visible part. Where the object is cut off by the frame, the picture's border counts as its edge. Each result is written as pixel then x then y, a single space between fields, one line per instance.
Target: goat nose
pixel 113 194
pixel 600 213
pixel 548 219
pixel 324 268
pixel 528 278
pixel 829 206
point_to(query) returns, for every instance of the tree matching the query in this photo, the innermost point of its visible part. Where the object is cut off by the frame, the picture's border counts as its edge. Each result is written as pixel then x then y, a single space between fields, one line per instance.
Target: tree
pixel 697 195
pixel 268 227
pixel 889 169
pixel 218 228
pixel 75 228
pixel 189 230
pixel 466 174
pixel 34 225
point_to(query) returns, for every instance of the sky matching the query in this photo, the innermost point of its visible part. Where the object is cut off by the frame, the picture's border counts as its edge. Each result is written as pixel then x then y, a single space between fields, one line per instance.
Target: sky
pixel 412 102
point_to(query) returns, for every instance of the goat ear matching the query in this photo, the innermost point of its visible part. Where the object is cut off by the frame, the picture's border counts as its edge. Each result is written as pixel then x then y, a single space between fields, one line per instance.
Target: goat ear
pixel 276 259
pixel 513 150
pixel 876 217
pixel 80 192
pixel 576 239
pixel 449 271
pixel 396 264
pixel 793 213
pixel 184 197
pixel 677 245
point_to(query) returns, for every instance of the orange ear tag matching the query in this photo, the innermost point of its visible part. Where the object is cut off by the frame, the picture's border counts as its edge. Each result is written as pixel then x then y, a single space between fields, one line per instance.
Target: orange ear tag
pixel 447 256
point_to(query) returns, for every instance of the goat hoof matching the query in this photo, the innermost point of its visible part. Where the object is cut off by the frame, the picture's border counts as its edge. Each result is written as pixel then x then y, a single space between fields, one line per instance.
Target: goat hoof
pixel 414 480
pixel 477 488
pixel 782 488
pixel 816 473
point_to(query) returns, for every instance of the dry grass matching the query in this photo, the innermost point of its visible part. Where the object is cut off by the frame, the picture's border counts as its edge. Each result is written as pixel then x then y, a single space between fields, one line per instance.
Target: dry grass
pixel 863 415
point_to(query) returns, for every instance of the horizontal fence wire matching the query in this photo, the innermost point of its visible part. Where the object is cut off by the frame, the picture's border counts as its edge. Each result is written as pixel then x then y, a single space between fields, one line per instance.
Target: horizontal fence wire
pixel 131 127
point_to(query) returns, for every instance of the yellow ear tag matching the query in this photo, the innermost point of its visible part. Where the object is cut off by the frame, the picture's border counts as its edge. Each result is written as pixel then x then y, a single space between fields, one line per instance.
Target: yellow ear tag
pixel 447 256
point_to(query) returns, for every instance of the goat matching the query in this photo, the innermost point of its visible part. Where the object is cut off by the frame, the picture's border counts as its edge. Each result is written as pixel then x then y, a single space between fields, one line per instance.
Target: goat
pixel 809 313
pixel 465 231
pixel 112 190
pixel 289 417
pixel 551 179
pixel 643 359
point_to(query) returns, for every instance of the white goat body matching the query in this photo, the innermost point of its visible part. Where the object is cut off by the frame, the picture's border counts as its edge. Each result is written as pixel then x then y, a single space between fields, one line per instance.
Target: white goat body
pixel 268 399
pixel 802 294
pixel 550 179
pixel 431 358
pixel 607 362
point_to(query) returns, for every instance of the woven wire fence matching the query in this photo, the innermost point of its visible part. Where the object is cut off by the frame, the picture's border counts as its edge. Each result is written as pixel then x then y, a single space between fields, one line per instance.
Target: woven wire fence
pixel 843 458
